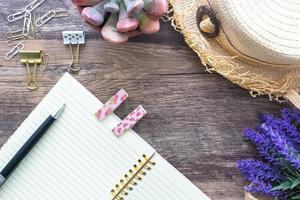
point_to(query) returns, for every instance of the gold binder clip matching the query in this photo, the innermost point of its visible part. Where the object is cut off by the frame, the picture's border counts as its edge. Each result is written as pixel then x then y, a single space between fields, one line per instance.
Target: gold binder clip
pixel 74 38
pixel 132 178
pixel 34 60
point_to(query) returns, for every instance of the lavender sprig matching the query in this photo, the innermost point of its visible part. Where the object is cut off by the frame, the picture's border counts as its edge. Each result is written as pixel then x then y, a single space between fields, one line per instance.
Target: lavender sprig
pixel 291 123
pixel 255 170
pixel 277 140
pixel 283 145
pixel 261 187
pixel 264 146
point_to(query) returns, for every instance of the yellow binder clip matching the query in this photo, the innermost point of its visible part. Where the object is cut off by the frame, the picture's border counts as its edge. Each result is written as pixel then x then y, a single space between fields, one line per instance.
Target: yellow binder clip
pixel 33 61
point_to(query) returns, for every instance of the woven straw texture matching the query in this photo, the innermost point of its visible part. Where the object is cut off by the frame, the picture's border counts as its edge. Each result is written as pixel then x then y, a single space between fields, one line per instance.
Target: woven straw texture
pixel 265 30
pixel 260 79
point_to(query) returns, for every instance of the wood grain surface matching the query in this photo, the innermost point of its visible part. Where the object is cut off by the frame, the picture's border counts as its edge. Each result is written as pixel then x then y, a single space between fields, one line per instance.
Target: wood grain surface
pixel 195 118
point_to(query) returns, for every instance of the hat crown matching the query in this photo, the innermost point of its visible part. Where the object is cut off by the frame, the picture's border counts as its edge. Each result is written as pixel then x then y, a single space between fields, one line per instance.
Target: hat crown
pixel 265 30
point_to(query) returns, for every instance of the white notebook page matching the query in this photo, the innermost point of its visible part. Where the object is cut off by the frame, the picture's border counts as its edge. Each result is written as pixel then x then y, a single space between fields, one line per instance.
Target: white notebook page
pixel 80 158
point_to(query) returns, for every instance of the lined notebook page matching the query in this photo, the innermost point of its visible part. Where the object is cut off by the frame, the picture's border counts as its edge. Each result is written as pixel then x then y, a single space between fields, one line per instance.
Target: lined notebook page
pixel 80 158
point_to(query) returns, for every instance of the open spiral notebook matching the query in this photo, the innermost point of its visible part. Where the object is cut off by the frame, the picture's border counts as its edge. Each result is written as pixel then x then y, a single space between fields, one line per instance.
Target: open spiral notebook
pixel 79 157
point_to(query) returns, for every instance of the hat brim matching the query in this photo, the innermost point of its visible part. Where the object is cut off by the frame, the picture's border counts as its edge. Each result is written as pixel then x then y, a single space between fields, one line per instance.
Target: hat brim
pixel 272 81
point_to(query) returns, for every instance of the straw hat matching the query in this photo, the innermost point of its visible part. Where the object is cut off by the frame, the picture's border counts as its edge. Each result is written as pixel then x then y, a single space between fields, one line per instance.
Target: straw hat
pixel 253 43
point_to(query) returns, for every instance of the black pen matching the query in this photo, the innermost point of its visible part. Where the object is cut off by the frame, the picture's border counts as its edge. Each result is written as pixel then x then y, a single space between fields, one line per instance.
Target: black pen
pixel 29 144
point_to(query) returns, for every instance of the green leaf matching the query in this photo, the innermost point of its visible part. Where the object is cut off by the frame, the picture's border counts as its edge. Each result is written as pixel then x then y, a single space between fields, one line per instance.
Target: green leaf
pixel 283 186
pixel 295 183
pixel 296 197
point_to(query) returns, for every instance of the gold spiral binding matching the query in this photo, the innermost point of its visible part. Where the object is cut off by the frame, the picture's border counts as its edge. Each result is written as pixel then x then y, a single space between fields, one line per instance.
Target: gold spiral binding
pixel 132 178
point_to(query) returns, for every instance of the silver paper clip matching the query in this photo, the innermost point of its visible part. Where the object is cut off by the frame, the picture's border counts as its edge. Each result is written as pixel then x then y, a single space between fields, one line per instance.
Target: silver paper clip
pixel 14 34
pixel 44 18
pixel 15 42
pixel 61 13
pixel 33 5
pixel 49 15
pixel 20 14
pixel 14 51
pixel 16 16
pixel 14 37
pixel 27 23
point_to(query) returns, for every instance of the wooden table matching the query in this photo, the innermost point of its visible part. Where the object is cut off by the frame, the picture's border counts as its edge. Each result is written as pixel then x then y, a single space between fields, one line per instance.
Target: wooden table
pixel 195 118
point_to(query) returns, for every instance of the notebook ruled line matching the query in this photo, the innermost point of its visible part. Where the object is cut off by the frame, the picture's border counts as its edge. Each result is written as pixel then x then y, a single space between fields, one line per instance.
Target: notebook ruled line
pixel 61 157
pixel 66 176
pixel 115 157
pixel 79 158
pixel 73 97
pixel 121 146
pixel 50 131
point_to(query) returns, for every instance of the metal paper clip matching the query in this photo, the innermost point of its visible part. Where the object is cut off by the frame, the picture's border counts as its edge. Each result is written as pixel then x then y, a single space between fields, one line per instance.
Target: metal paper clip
pixel 18 35
pixel 16 16
pixel 49 15
pixel 35 16
pixel 20 14
pixel 33 29
pixel 16 40
pixel 14 37
pixel 14 51
pixel 33 5
pixel 74 38
pixel 14 34
pixel 44 18
pixel 61 13
pixel 42 70
pixel 32 58
pixel 27 23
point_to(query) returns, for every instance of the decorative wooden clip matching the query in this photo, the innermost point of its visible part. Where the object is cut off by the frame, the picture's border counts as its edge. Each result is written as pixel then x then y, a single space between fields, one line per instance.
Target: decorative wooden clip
pixel 129 121
pixel 112 104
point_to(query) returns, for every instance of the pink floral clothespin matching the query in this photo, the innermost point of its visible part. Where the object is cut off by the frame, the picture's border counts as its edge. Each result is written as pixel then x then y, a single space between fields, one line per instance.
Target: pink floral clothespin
pixel 129 121
pixel 112 104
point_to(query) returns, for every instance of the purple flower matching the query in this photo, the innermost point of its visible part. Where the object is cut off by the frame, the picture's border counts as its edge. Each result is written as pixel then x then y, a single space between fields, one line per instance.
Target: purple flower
pixel 283 146
pixel 257 171
pixel 264 145
pixel 290 123
pixel 263 177
pixel 277 140
pixel 264 188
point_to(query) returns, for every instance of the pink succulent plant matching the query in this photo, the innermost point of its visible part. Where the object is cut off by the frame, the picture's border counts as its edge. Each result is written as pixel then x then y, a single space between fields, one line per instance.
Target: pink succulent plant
pixel 125 18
